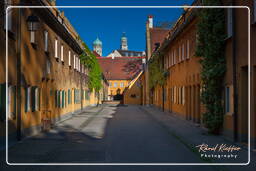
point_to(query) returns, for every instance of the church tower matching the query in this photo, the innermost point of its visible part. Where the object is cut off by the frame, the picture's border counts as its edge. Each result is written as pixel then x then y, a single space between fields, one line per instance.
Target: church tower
pixel 124 44
pixel 97 46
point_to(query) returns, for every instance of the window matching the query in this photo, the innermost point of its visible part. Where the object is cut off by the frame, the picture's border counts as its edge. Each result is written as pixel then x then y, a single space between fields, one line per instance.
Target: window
pixel 9 15
pixel 69 97
pixel 227 100
pixel 11 102
pixel 46 41
pixel 229 22
pixel 28 99
pixel 254 11
pixel 115 84
pixel 188 55
pixel 60 99
pixel 183 95
pixel 63 99
pixel 35 99
pixel 62 53
pixel 183 51
pixel 74 61
pixel 121 84
pixel 32 37
pixel 79 66
pixel 56 48
pixel 48 66
pixel 175 94
pixel 174 56
pixel 110 84
pixel 2 101
pixel 69 58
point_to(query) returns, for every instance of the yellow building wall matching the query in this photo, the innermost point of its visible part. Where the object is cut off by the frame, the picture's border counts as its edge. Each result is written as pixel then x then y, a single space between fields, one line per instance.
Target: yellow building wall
pixel 113 90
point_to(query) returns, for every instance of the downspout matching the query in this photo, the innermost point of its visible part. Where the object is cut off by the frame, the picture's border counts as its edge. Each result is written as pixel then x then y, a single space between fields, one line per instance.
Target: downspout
pixel 234 63
pixel 18 90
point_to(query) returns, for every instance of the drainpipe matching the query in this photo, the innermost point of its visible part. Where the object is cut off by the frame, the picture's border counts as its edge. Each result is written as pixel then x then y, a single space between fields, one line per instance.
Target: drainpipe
pixel 234 63
pixel 18 90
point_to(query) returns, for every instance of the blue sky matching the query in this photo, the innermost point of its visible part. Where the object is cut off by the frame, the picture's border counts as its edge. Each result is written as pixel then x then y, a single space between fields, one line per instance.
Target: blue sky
pixel 108 24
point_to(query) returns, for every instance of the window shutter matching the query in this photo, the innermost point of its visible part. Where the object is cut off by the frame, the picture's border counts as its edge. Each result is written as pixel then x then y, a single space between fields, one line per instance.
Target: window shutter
pixel 33 99
pixel 63 99
pixel 56 98
pixel 2 101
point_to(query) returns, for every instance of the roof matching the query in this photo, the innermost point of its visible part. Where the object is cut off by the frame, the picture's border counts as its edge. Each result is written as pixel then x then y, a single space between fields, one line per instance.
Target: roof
pixel 157 36
pixel 125 52
pixel 97 42
pixel 121 68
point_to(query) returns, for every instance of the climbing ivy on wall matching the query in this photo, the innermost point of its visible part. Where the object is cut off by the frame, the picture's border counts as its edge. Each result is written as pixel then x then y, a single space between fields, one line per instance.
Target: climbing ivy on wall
pixel 95 75
pixel 156 72
pixel 210 47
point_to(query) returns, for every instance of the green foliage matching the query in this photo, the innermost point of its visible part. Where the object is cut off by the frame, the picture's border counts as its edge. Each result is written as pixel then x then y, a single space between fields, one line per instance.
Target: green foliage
pixel 156 72
pixel 95 75
pixel 210 47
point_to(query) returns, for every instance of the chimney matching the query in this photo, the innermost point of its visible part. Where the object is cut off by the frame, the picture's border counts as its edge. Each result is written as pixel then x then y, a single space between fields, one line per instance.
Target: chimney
pixel 150 21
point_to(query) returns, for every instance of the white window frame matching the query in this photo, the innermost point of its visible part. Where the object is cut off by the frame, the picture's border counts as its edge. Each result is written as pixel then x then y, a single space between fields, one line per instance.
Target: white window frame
pixel 62 53
pixel 69 58
pixel 36 99
pixel 183 95
pixel 46 41
pixel 121 84
pixel 48 66
pixel 56 48
pixel 28 95
pixel 32 37
pixel 74 61
pixel 229 22
pixel 115 85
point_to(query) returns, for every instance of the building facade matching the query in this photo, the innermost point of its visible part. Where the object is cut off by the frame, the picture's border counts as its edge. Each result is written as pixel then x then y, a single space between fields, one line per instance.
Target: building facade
pixel 119 72
pixel 181 92
pixel 46 80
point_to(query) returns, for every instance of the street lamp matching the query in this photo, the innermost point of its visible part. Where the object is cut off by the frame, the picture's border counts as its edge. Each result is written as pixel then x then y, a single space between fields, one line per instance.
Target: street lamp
pixel 33 24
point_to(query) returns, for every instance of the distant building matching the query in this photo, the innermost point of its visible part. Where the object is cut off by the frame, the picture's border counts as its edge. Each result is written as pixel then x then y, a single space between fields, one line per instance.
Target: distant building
pixel 97 46
pixel 123 51
pixel 119 72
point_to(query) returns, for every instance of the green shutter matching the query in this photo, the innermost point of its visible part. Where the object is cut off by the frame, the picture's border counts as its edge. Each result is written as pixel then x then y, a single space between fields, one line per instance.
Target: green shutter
pixel 56 98
pixel 74 96
pixel 68 96
pixel 63 99
pixel 2 101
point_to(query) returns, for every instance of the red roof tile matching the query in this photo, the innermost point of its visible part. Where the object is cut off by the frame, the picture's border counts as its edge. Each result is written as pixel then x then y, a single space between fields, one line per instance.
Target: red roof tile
pixel 120 68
